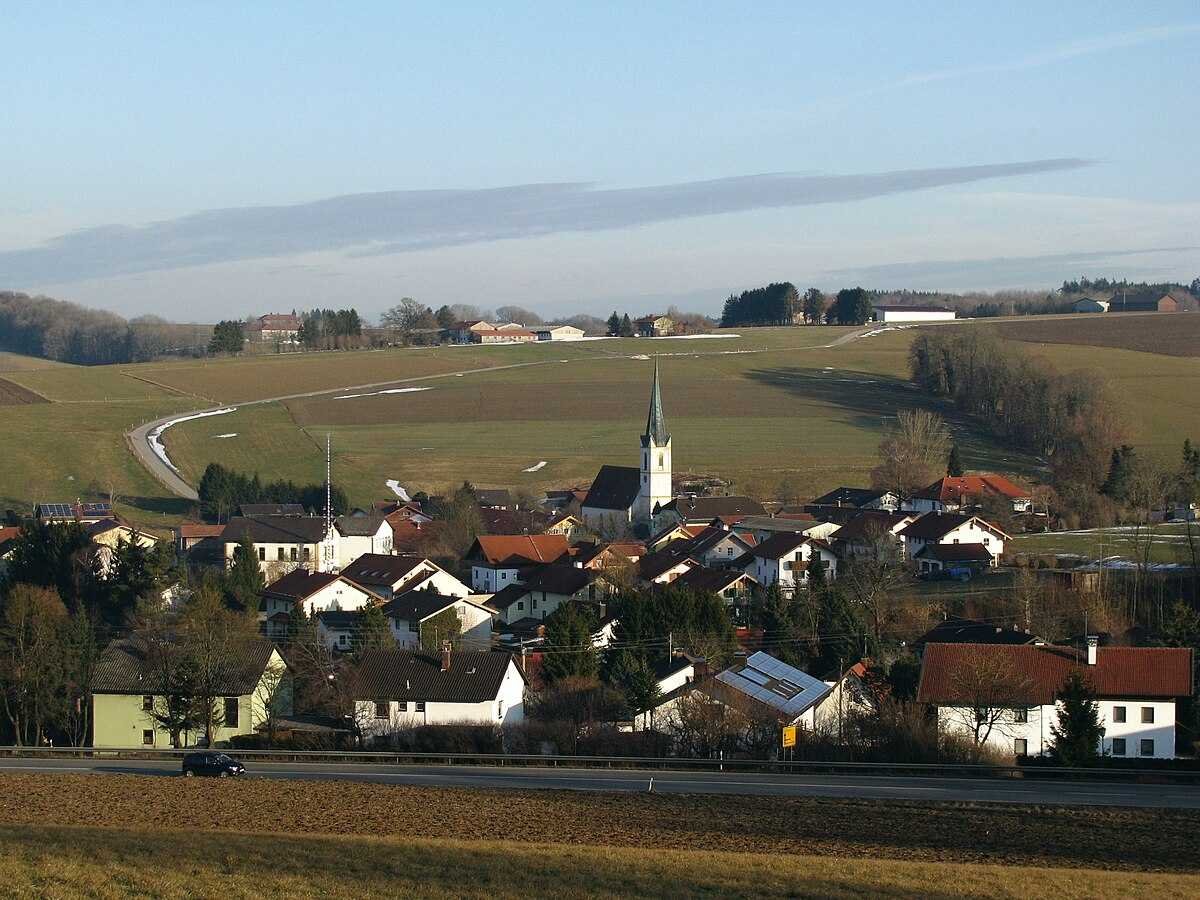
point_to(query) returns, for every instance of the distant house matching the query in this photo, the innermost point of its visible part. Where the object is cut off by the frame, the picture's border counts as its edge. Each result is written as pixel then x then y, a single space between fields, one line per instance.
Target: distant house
pixel 190 534
pixel 545 589
pixel 841 504
pixel 951 529
pixel 497 559
pixel 1089 305
pixel 315 591
pixel 283 543
pixel 471 332
pixel 506 334
pixel 558 333
pixel 494 498
pixel 127 690
pixel 610 501
pixel 1007 694
pixel 399 689
pixel 84 513
pixel 8 543
pixel 784 559
pixel 956 630
pixel 1144 303
pixel 390 575
pixel 714 546
pixel 568 526
pixel 107 533
pixel 274 327
pixel 654 326
pixel 759 528
pixel 890 314
pixel 409 612
pixel 733 586
pixel 664 566
pixel 361 533
pixel 863 534
pixel 702 510
pixel 954 494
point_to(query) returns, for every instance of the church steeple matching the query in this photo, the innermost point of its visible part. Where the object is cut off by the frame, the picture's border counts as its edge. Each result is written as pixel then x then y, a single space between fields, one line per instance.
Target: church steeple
pixel 656 425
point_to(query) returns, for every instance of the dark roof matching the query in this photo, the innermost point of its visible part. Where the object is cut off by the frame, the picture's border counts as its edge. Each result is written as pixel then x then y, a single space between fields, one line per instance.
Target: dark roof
pixel 557 579
pixel 473 677
pixel 956 553
pixel 710 537
pixel 848 496
pixel 340 619
pixel 869 523
pixel 656 424
pixel 972 631
pixel 706 509
pixel 934 525
pixel 710 580
pixel 493 497
pixel 777 545
pixel 1037 672
pixel 772 523
pixel 359 525
pixel 122 669
pixel 382 568
pixel 299 584
pixel 664 667
pixel 615 487
pixel 416 606
pixel 655 564
pixel 275 530
pixel 506 597
pixel 254 510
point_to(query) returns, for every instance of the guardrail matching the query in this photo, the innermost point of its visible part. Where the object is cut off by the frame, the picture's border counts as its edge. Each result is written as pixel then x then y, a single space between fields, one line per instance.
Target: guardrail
pixel 773 767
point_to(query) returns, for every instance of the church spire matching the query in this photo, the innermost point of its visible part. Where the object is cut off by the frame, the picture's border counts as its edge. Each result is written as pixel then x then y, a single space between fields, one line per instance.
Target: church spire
pixel 656 425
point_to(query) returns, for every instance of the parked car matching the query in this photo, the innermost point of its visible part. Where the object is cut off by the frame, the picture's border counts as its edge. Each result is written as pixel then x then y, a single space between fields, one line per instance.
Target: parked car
pixel 218 765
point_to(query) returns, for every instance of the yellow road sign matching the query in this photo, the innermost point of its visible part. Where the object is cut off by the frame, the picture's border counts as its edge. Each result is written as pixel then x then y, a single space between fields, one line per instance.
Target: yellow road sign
pixel 789 736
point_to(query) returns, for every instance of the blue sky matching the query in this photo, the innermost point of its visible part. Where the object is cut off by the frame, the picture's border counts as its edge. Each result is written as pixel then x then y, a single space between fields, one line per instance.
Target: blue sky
pixel 205 160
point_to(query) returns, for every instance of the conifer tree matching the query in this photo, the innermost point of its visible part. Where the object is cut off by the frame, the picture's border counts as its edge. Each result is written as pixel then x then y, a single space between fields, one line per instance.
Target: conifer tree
pixel 1075 737
pixel 954 467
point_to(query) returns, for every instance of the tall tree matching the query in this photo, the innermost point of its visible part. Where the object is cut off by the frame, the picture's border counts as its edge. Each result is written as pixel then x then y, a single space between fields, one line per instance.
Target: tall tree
pixel 614 325
pixel 814 306
pixel 569 651
pixel 445 626
pixel 32 672
pixel 912 452
pixel 1075 737
pixel 626 326
pixel 228 337
pixel 852 306
pixel 445 317
pixel 954 466
pixel 244 581
pixel 374 632
pixel 215 639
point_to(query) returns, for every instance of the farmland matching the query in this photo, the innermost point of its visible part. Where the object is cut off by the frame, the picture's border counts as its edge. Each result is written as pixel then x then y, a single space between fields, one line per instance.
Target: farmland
pixel 1170 334
pixel 120 834
pixel 15 395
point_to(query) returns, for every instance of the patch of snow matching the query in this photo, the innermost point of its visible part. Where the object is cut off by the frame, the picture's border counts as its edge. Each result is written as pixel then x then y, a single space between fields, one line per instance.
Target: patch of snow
pixel 535 467
pixel 229 435
pixel 154 438
pixel 691 337
pixel 398 490
pixel 377 393
pixel 640 356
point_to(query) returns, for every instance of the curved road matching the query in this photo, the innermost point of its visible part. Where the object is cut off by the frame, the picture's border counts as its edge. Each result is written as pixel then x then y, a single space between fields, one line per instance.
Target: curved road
pixel 877 787
pixel 139 438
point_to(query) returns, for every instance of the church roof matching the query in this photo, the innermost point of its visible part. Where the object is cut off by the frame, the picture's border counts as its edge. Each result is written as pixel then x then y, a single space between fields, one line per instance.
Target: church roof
pixel 656 423
pixel 615 487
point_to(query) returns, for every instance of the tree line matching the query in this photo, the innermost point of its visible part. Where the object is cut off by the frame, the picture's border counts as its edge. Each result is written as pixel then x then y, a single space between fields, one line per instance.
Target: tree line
pixel 222 491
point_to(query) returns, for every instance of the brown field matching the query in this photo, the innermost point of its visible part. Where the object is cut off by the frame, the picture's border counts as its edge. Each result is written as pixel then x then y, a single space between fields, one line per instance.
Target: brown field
pixel 14 395
pixel 1125 839
pixel 1171 334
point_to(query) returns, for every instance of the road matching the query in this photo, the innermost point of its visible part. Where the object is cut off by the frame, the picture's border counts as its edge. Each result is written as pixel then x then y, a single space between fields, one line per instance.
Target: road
pixel 874 787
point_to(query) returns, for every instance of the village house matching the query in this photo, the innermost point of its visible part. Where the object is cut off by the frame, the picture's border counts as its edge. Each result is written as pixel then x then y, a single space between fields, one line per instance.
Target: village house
pixel 107 533
pixel 735 587
pixel 703 510
pixel 8 543
pixel 412 611
pixel 784 559
pixel 470 332
pixel 663 566
pixel 360 533
pixel 714 546
pixel 400 689
pixel 315 591
pixel 388 575
pixel 871 532
pixel 545 588
pixel 843 503
pixel 759 528
pixel 976 538
pixel 1089 305
pixel 558 333
pixel 127 693
pixel 274 327
pixel 255 510
pixel 191 535
pixel 568 526
pixel 1006 696
pixel 83 513
pixel 283 543
pixel 497 559
pixel 653 326
pixel 967 492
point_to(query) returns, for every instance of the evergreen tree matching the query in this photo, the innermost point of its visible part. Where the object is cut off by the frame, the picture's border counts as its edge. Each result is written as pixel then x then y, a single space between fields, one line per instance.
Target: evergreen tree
pixel 614 325
pixel 228 337
pixel 954 467
pixel 569 651
pixel 1120 471
pixel 374 633
pixel 777 616
pixel 1075 737
pixel 635 679
pixel 626 326
pixel 445 317
pixel 244 582
pixel 852 306
pixel 814 306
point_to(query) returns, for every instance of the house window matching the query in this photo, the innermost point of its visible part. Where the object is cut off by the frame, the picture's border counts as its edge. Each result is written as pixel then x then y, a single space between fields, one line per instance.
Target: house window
pixel 381 709
pixel 1118 714
pixel 1021 747
pixel 147 703
pixel 281 554
pixel 420 706
pixel 986 541
pixel 520 606
pixel 1118 747
pixel 1147 715
pixel 660 460
pixel 148 737
pixel 262 554
pixel 294 554
pixel 307 554
pixel 231 712
pixel 402 706
pixel 1021 716
pixel 500 710
pixel 1147 747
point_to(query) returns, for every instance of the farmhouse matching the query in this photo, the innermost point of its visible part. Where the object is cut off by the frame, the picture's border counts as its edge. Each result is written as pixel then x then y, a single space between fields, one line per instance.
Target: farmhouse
pixel 653 326
pixel 950 528
pixel 506 334
pixel 471 332
pixel 558 333
pixel 315 591
pixel 389 576
pixel 274 327
pixel 105 536
pixel 1006 696
pixel 890 314
pixel 84 513
pixel 399 689
pixel 361 533
pixel 702 510
pixel 547 588
pixel 497 559
pixel 785 559
pixel 955 494
pixel 732 586
pixel 129 700
pixel 840 504
pixel 871 533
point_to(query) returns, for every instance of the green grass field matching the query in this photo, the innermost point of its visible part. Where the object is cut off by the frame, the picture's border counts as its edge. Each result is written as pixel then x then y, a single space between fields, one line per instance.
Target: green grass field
pixel 1168 543
pixel 768 405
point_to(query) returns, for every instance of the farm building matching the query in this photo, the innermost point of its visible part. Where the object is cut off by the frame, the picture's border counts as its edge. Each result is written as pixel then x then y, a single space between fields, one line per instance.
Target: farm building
pixel 654 326
pixel 274 327
pixel 558 333
pixel 890 314
pixel 1088 305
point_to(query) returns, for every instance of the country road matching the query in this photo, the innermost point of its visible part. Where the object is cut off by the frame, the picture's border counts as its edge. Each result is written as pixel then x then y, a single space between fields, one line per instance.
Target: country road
pixel 139 438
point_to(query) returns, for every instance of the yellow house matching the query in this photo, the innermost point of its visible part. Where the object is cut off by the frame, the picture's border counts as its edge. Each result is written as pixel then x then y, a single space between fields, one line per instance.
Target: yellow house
pixel 107 532
pixel 127 711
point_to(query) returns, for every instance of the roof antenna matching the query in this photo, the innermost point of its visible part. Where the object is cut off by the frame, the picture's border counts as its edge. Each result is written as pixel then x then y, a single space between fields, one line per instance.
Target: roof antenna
pixel 328 487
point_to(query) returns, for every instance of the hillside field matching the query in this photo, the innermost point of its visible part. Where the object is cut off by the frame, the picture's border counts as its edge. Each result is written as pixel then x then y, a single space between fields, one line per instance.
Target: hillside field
pixel 801 405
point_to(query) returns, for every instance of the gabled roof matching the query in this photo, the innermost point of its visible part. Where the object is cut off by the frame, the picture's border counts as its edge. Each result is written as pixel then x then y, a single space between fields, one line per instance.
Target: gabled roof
pixel 869 523
pixel 417 606
pixel 631 550
pixel 473 677
pixel 518 548
pixel 935 525
pixel 660 562
pixel 506 597
pixel 1038 672
pixel 493 497
pixel 972 631
pixel 200 530
pixel 385 569
pixel 276 530
pixel 955 553
pixel 340 619
pixel 848 496
pixel 359 525
pixel 708 538
pixel 711 581
pixel 299 584
pixel 615 487
pixel 560 579
pixel 123 669
pixel 778 546
pixel 705 509
pixel 773 523
pixel 784 689
pixel 952 489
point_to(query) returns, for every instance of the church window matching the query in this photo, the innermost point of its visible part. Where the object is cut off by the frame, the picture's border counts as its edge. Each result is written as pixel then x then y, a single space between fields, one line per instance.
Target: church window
pixel 660 460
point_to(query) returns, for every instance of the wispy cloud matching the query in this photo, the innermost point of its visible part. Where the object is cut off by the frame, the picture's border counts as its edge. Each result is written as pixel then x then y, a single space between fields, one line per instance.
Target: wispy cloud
pixel 399 221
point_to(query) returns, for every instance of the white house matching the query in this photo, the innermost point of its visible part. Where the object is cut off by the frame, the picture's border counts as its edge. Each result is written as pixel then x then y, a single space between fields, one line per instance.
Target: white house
pixel 389 575
pixel 316 591
pixel 284 543
pixel 891 314
pixel 558 333
pixel 785 559
pixel 497 559
pixel 664 566
pixel 952 528
pixel 1008 694
pixel 545 589
pixel 361 533
pixel 399 689
pixel 715 546
pixel 408 613
pixel 955 494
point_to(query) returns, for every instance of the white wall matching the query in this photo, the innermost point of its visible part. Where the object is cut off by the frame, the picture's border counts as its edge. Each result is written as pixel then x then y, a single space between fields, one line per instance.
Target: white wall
pixel 351 547
pixel 475 622
pixel 507 708
pixel 488 580
pixel 969 532
pixel 909 315
pixel 768 571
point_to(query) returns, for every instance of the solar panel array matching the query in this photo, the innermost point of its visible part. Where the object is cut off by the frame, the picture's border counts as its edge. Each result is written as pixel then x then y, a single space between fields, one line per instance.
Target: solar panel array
pixel 775 683
pixel 71 510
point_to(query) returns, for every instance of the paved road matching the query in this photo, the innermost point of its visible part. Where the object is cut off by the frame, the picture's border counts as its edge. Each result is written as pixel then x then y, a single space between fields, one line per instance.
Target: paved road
pixel 855 786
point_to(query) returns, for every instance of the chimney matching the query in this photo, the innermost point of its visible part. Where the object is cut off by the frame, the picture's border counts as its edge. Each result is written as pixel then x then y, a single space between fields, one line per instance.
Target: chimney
pixel 1093 645
pixel 445 656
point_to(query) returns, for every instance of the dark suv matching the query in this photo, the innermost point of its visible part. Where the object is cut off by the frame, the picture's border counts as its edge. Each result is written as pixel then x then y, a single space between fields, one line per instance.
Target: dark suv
pixel 212 763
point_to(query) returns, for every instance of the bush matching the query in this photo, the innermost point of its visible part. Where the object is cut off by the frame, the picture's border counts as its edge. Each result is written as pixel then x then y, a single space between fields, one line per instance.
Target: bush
pixel 446 739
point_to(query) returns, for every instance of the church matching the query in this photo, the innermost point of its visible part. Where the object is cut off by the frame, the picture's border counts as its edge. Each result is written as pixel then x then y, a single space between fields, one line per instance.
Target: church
pixel 622 498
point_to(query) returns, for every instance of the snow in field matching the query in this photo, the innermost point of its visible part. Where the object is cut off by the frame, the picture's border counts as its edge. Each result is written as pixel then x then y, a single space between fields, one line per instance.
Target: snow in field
pixel 535 467
pixel 886 328
pixel 154 438
pixel 692 337
pixel 640 356
pixel 229 435
pixel 398 490
pixel 376 393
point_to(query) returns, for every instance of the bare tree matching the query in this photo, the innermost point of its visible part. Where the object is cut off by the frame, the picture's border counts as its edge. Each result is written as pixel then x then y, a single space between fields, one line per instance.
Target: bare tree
pixel 215 639
pixel 990 690
pixel 32 682
pixel 874 576
pixel 912 453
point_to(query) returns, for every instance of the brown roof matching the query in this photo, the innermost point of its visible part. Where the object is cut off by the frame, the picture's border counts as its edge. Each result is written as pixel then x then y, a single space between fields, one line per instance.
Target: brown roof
pixel 123 669
pixel 534 548
pixel 1041 671
pixel 383 568
pixel 933 526
pixel 868 524
pixel 299 584
pixel 473 677
pixel 200 530
pixel 778 545
pixel 956 490
pixel 705 509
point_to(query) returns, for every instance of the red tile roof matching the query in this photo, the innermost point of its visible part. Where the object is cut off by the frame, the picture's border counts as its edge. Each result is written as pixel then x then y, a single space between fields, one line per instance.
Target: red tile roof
pixel 1039 671
pixel 200 530
pixel 967 487
pixel 536 548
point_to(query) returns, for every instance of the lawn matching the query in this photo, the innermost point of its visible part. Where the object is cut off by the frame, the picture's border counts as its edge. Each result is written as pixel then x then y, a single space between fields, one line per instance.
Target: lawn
pixel 1169 543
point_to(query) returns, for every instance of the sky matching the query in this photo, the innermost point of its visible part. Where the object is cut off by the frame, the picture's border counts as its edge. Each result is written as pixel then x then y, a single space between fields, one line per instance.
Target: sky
pixel 202 161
